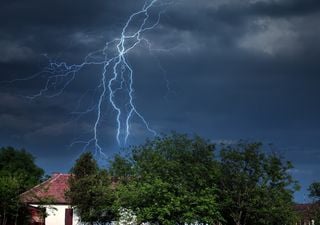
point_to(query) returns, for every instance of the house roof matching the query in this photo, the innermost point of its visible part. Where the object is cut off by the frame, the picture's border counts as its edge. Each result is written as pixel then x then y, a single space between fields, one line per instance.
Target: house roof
pixel 52 190
pixel 302 207
pixel 305 210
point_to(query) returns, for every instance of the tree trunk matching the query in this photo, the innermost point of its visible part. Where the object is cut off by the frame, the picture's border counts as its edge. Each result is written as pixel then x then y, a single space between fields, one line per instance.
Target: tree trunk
pixel 4 220
pixel 16 220
pixel 237 218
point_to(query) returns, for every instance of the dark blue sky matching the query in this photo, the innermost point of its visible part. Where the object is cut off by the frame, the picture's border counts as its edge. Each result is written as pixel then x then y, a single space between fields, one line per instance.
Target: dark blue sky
pixel 224 69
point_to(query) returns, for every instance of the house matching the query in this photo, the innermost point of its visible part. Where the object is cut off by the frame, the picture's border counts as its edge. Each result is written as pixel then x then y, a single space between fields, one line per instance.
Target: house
pixel 306 213
pixel 48 204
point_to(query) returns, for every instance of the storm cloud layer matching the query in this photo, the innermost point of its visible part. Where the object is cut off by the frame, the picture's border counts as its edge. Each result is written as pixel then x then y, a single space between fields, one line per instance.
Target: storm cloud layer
pixel 224 69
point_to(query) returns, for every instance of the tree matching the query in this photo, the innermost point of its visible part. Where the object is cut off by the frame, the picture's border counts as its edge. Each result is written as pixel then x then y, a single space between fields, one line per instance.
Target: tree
pixel 176 179
pixel 90 191
pixel 314 193
pixel 255 188
pixel 172 182
pixel 9 195
pixel 121 168
pixel 314 190
pixel 20 164
pixel 18 173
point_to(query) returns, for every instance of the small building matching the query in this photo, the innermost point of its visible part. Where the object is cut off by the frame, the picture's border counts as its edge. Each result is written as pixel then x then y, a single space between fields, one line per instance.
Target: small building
pixel 48 204
pixel 306 213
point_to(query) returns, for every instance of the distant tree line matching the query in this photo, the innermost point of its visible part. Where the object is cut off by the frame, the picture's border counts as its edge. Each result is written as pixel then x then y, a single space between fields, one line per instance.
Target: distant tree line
pixel 180 180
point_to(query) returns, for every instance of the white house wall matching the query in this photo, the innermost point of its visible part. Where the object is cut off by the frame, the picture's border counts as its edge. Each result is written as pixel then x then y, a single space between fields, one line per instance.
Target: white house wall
pixel 56 214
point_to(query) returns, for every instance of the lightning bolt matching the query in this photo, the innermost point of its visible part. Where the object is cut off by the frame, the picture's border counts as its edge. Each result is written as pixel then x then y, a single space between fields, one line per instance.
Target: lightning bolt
pixel 116 80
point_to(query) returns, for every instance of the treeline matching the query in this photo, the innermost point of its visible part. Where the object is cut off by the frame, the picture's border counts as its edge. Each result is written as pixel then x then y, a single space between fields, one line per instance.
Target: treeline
pixel 176 179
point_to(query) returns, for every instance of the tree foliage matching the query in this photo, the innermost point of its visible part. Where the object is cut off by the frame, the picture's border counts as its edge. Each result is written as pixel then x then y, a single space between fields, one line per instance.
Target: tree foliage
pixel 314 193
pixel 176 179
pixel 20 164
pixel 255 187
pixel 9 198
pixel 91 191
pixel 18 173
pixel 314 190
pixel 172 181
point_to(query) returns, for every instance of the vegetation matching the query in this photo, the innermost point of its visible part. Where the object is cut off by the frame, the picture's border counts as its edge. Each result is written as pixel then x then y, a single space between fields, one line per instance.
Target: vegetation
pixel 314 190
pixel 91 191
pixel 255 188
pixel 172 181
pixel 18 173
pixel 176 179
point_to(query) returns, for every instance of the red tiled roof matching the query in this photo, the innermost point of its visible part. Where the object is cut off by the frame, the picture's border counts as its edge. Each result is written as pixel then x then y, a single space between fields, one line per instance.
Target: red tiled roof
pixel 52 189
pixel 305 210
pixel 302 207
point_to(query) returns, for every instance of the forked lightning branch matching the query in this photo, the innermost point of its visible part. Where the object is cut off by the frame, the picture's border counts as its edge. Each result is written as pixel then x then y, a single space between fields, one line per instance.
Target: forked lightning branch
pixel 115 81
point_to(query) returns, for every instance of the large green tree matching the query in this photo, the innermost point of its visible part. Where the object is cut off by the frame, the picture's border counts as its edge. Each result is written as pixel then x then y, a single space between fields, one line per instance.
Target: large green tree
pixel 91 191
pixel 171 181
pixel 255 187
pixel 20 164
pixel 18 173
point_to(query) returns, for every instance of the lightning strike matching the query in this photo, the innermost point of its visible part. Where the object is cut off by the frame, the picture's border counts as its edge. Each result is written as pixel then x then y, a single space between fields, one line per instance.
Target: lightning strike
pixel 116 79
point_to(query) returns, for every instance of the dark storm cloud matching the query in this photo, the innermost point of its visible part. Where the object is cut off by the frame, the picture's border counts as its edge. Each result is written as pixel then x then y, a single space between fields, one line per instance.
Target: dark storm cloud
pixel 236 69
pixel 201 17
pixel 286 8
pixel 69 17
pixel 59 14
pixel 58 27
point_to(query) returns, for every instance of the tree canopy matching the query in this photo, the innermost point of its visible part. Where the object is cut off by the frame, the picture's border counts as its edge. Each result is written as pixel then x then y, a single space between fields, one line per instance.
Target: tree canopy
pixel 314 194
pixel 255 187
pixel 172 181
pixel 90 191
pixel 20 164
pixel 18 173
pixel 314 190
pixel 178 179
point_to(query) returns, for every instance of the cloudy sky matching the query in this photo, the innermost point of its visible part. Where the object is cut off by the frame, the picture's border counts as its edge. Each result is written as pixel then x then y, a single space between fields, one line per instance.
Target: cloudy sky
pixel 223 69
